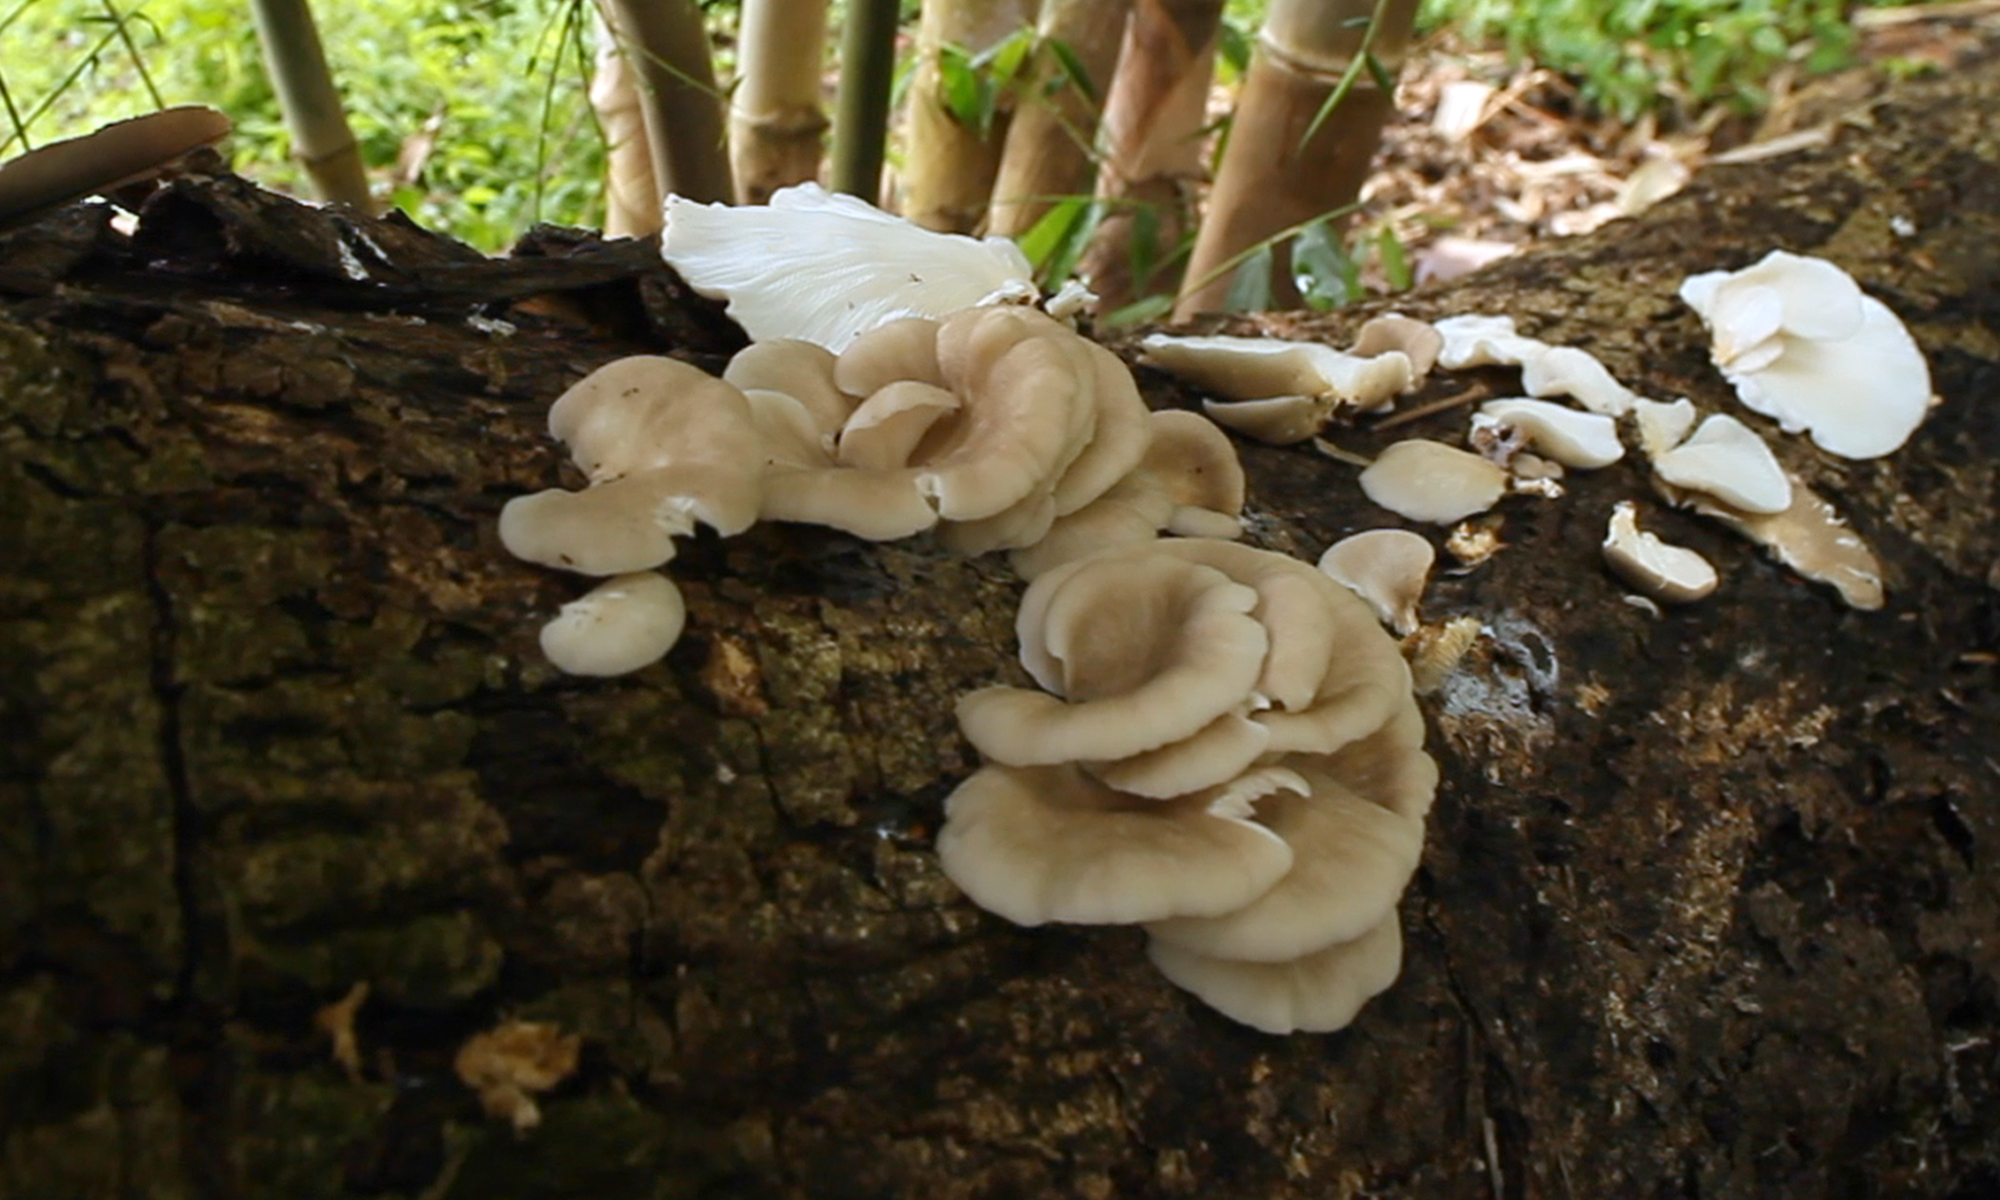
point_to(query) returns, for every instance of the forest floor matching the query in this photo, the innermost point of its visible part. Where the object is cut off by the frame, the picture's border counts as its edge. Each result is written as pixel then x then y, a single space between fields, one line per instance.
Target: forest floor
pixel 1490 156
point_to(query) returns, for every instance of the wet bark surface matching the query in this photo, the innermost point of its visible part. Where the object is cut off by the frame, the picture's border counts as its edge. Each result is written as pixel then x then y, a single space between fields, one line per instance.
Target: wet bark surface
pixel 1707 907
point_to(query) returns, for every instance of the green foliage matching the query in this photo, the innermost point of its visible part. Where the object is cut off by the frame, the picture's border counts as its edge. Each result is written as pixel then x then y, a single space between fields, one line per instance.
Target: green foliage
pixel 493 91
pixel 1630 55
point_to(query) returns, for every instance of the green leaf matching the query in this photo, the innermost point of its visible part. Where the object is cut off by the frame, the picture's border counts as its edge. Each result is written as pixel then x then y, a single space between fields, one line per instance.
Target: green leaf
pixel 1395 260
pixel 1073 68
pixel 1150 308
pixel 965 97
pixel 1250 287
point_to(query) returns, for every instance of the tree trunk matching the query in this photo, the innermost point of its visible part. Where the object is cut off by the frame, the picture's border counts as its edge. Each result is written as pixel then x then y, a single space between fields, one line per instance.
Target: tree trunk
pixel 775 122
pixel 666 50
pixel 322 141
pixel 1303 138
pixel 1707 906
pixel 1047 155
pixel 1152 140
pixel 947 178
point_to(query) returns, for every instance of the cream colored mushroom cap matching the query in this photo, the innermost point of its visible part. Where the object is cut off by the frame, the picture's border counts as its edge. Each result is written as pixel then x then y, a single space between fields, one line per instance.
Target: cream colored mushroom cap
pixel 1039 844
pixel 1415 340
pixel 610 528
pixel 805 371
pixel 905 348
pixel 1147 649
pixel 1663 571
pixel 1726 459
pixel 1319 993
pixel 1388 568
pixel 621 625
pixel 1429 481
pixel 1587 440
pixel 1240 368
pixel 1350 862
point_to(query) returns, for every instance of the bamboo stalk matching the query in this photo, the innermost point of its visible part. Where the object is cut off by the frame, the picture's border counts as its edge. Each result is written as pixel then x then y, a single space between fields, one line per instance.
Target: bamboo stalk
pixel 632 201
pixel 775 123
pixel 667 51
pixel 861 110
pixel 1048 151
pixel 1152 139
pixel 949 176
pixel 322 142
pixel 1285 165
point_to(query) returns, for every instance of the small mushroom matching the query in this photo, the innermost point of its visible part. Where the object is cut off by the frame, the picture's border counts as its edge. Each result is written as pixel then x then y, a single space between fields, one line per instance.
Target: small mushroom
pixel 1726 459
pixel 1662 426
pixel 805 371
pixel 1586 440
pixel 1803 345
pixel 1413 339
pixel 625 623
pixel 1670 573
pixel 1568 371
pixel 1475 340
pixel 1386 567
pixel 1429 481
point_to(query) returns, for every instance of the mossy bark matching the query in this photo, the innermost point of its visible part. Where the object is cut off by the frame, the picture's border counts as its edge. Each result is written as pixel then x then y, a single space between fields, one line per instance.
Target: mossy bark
pixel 1707 906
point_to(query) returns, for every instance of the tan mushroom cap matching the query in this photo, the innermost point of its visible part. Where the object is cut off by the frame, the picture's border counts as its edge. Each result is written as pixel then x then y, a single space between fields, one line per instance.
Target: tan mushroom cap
pixel 1318 993
pixel 1415 340
pixel 646 413
pixel 1039 844
pixel 1147 649
pixel 1220 751
pixel 118 153
pixel 883 433
pixel 1350 862
pixel 1029 411
pixel 1189 482
pixel 1388 568
pixel 1810 538
pixel 1277 421
pixel 1429 481
pixel 627 524
pixel 625 623
pixel 895 350
pixel 802 370
pixel 1120 436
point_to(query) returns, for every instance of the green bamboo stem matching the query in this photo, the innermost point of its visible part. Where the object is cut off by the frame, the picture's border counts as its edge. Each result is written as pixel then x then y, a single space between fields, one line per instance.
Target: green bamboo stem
pixel 861 110
pixel 322 142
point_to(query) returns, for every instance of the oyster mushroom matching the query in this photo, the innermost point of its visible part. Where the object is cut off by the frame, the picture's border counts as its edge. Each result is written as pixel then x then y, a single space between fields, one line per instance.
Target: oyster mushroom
pixel 1386 567
pixel 1803 345
pixel 1661 571
pixel 1430 481
pixel 625 623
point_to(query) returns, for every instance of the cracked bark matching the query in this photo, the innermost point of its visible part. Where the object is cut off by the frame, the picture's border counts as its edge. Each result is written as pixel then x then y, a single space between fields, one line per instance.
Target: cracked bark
pixel 1705 907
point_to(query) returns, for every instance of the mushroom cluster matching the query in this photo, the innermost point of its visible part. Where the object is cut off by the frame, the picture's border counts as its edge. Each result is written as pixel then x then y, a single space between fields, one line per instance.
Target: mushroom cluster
pixel 1225 750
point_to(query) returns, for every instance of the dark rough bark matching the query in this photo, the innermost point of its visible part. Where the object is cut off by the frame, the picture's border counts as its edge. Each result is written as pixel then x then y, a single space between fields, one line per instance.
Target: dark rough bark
pixel 1708 906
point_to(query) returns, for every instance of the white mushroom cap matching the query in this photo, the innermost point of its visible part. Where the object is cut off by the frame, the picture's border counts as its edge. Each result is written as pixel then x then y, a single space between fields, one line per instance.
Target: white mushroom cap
pixel 1473 340
pixel 1350 862
pixel 1726 459
pixel 827 268
pixel 1662 426
pixel 1568 371
pixel 1803 345
pixel 1674 574
pixel 1575 439
pixel 1429 481
pixel 1039 844
pixel 1386 567
pixel 1316 994
pixel 621 625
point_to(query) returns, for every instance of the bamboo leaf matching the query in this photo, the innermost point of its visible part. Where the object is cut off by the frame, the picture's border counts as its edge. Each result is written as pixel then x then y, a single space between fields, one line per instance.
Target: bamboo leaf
pixel 1073 68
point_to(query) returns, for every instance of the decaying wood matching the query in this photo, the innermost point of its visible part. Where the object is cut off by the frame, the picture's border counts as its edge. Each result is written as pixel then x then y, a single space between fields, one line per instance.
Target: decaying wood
pixel 1708 905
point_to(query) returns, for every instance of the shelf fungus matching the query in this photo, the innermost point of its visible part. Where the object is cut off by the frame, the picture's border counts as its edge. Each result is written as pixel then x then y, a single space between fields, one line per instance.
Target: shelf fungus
pixel 1476 340
pixel 1803 345
pixel 1584 440
pixel 1225 750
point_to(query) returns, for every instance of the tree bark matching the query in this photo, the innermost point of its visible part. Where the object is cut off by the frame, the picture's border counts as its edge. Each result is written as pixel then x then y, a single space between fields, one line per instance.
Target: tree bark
pixel 1707 906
